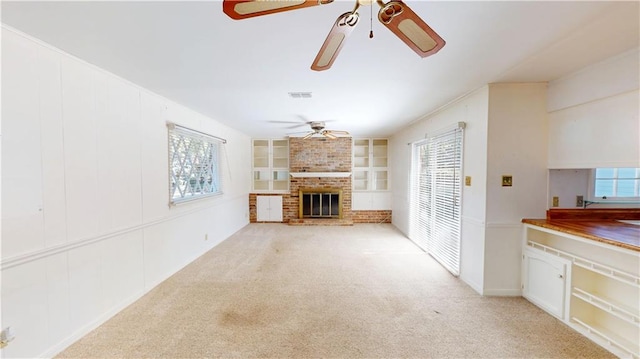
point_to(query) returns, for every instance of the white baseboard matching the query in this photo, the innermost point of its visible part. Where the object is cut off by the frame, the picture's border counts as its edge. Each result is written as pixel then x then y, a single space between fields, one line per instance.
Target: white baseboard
pixel 503 292
pixel 475 286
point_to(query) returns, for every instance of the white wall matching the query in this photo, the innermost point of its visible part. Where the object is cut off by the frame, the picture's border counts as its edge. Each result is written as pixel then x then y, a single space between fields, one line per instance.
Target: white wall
pixel 594 115
pixel 566 184
pixel 516 146
pixel 473 110
pixel 86 226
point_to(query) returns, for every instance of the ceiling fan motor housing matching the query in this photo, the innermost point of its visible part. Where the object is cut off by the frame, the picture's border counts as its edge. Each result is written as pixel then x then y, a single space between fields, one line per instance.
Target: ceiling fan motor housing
pixel 317 126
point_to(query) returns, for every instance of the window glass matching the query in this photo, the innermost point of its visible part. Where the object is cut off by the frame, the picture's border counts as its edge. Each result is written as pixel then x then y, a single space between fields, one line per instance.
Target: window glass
pixel 625 188
pixel 193 164
pixel 616 182
pixel 605 172
pixel 627 172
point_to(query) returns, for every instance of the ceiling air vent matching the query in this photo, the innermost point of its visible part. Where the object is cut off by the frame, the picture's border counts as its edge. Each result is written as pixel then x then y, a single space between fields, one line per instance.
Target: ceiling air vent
pixel 300 94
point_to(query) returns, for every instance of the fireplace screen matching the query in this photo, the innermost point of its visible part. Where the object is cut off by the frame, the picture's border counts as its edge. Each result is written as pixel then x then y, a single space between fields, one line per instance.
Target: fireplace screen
pixel 324 203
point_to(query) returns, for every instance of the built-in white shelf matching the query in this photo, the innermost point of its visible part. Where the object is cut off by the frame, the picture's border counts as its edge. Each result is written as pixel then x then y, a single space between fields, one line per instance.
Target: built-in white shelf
pixel 609 272
pixel 604 286
pixel 607 337
pixel 270 165
pixel 319 174
pixel 590 265
pixel 370 164
pixel 607 304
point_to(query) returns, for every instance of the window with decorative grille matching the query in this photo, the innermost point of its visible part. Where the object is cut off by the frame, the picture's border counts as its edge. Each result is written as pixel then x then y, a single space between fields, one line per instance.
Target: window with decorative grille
pixel 193 164
pixel 436 192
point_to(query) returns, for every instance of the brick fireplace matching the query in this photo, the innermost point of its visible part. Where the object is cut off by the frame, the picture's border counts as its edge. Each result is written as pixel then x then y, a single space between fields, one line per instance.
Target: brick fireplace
pixel 320 164
pixel 330 159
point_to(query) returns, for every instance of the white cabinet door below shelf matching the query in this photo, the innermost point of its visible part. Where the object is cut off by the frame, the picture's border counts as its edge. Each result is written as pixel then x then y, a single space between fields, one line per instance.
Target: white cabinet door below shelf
pixel 544 280
pixel 370 201
pixel 269 208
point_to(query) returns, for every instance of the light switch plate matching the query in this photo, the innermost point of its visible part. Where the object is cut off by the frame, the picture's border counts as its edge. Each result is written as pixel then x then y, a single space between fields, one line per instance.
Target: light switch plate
pixel 467 180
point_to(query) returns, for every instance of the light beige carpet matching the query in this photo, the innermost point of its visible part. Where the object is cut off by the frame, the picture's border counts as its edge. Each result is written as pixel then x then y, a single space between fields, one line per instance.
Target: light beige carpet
pixel 278 291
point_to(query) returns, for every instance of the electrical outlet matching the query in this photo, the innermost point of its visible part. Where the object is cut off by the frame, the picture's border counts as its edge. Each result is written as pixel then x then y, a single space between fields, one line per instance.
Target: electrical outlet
pixel 579 201
pixel 467 180
pixel 556 201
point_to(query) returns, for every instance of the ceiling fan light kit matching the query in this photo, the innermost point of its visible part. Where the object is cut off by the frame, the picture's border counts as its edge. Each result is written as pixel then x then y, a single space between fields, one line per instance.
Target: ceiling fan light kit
pixel 395 15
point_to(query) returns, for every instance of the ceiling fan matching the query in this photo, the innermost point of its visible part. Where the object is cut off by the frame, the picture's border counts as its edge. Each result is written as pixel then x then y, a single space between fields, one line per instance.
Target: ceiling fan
pixel 302 121
pixel 317 128
pixel 395 15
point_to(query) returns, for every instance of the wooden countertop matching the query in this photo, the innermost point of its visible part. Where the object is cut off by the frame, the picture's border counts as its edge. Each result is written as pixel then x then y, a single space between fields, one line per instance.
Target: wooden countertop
pixel 609 231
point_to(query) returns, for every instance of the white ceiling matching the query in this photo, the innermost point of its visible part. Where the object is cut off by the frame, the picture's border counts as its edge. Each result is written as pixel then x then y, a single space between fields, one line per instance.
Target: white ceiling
pixel 240 72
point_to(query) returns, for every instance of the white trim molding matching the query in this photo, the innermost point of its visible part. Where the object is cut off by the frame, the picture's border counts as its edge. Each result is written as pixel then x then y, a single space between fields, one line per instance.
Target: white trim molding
pixel 20 259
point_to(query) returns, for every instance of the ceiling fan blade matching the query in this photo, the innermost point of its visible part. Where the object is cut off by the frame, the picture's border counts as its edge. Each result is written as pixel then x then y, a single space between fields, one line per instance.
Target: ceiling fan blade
pixel 287 122
pixel 303 119
pixel 292 124
pixel 329 135
pixel 410 28
pixel 309 135
pixel 296 126
pixel 336 132
pixel 334 41
pixel 243 9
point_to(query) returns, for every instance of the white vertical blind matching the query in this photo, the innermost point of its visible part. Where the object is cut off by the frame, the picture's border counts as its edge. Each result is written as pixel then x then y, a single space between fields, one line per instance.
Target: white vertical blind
pixel 436 195
pixel 419 203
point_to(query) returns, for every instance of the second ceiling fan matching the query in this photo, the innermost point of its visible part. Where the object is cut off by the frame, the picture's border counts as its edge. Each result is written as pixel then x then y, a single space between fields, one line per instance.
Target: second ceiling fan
pixel 395 15
pixel 317 128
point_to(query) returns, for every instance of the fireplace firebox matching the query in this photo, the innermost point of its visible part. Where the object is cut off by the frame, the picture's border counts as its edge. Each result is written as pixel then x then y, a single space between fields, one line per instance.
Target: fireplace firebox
pixel 320 203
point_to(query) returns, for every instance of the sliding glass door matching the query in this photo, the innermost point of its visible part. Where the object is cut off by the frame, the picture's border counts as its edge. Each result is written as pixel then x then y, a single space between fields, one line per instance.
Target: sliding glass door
pixel 436 193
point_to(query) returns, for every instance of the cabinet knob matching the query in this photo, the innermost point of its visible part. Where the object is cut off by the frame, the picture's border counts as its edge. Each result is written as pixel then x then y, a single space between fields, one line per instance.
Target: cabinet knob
pixel 560 276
